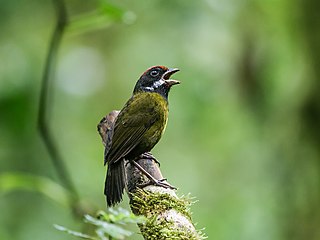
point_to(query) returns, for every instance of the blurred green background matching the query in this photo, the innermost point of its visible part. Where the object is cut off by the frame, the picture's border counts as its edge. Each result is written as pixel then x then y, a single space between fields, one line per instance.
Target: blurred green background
pixel 243 135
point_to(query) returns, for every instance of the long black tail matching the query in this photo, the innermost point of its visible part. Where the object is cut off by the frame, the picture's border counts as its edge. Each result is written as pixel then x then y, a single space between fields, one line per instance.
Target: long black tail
pixel 115 183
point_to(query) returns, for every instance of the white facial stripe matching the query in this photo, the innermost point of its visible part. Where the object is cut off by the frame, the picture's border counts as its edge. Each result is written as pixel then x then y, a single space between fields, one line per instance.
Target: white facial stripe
pixel 149 88
pixel 158 83
pixel 155 85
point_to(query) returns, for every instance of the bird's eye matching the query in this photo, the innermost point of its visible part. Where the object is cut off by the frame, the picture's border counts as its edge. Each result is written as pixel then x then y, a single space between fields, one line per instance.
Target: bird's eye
pixel 154 73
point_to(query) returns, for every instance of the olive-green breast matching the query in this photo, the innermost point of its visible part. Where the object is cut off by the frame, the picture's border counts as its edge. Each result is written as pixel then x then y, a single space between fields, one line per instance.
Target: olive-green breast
pixel 155 108
pixel 139 126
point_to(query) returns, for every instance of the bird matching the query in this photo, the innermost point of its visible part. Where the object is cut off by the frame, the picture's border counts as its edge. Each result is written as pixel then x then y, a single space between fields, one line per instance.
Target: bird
pixel 138 127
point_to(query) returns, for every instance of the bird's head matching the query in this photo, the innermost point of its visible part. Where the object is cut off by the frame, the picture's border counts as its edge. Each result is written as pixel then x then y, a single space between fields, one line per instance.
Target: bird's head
pixel 156 79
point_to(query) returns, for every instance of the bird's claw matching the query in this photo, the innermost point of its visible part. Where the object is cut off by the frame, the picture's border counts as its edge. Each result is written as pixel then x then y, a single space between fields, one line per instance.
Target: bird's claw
pixel 159 183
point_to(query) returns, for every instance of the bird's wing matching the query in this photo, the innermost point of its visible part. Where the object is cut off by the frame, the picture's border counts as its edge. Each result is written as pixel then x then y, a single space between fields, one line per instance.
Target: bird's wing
pixel 129 128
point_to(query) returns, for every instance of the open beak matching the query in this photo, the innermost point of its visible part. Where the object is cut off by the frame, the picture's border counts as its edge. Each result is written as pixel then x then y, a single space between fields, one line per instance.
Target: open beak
pixel 167 76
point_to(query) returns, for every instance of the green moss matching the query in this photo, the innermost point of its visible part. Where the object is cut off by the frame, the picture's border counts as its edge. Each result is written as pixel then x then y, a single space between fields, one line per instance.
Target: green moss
pixel 151 205
pixel 154 229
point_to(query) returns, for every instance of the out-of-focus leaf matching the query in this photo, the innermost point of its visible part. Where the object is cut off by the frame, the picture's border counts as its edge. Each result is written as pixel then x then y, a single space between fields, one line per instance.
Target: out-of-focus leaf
pixel 106 15
pixel 106 224
pixel 74 233
pixel 101 234
pixel 108 228
pixel 112 11
pixel 122 216
pixel 89 22
pixel 21 181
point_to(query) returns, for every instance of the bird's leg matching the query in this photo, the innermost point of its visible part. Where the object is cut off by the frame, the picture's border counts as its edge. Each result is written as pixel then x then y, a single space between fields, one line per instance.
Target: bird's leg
pixel 152 180
pixel 148 155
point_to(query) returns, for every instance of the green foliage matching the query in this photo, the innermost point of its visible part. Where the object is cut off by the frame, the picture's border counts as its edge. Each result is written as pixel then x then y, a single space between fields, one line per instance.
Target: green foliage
pixel 102 17
pixel 21 181
pixel 73 233
pixel 107 225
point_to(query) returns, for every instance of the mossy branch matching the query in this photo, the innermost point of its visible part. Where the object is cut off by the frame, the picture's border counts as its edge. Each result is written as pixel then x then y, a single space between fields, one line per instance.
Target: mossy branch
pixel 168 216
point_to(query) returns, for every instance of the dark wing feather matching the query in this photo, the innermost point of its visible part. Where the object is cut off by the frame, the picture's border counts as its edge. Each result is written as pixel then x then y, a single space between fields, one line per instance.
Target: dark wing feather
pixel 128 132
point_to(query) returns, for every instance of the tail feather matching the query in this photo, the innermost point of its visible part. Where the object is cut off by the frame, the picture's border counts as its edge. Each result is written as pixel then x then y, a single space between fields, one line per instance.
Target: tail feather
pixel 115 183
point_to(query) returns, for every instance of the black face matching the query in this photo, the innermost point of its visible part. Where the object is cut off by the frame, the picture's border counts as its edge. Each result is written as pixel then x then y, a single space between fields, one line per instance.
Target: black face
pixel 156 79
pixel 151 79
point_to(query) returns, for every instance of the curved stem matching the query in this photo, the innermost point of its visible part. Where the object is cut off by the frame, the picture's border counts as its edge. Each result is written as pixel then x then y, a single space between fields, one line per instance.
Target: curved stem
pixel 43 120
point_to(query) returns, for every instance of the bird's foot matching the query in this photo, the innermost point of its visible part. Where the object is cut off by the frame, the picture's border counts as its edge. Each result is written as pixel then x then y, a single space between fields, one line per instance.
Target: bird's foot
pixel 152 180
pixel 159 183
